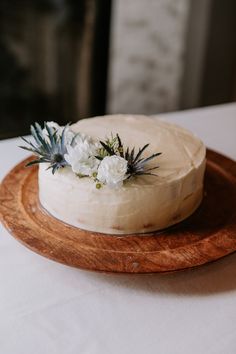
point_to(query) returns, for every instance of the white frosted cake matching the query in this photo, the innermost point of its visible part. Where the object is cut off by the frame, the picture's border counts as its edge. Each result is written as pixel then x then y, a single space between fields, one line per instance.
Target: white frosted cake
pixel 143 203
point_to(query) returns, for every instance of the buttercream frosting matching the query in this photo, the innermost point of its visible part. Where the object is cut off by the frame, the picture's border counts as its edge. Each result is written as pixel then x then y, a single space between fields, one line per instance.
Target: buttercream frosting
pixel 143 203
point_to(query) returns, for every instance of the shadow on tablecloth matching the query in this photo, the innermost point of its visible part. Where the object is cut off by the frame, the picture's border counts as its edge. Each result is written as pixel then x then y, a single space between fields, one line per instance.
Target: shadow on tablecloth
pixel 216 277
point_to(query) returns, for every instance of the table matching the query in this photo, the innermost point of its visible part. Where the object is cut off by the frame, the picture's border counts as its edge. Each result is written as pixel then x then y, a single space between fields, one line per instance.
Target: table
pixel 49 308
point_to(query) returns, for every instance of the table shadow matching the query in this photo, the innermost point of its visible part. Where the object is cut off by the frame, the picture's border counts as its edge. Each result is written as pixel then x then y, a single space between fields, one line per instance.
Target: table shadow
pixel 212 278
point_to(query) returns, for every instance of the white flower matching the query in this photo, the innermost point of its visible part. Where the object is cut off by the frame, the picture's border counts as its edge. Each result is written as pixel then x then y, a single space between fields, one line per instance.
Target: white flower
pixel 82 137
pixel 81 156
pixel 69 135
pixel 56 127
pixel 112 171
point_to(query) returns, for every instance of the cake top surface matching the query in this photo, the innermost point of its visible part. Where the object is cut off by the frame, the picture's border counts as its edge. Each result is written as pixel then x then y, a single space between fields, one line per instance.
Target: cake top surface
pixel 181 150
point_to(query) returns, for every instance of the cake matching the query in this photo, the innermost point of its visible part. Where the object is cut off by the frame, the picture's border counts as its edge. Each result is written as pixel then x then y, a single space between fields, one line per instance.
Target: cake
pixel 142 203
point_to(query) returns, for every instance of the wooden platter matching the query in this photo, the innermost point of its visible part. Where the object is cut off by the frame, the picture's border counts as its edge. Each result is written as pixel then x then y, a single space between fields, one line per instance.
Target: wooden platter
pixel 209 234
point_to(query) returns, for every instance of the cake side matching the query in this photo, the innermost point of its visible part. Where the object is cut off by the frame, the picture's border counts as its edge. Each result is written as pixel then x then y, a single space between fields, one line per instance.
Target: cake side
pixel 143 203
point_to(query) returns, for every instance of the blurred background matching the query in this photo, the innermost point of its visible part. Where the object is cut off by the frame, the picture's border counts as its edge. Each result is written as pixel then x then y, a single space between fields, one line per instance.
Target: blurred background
pixel 64 60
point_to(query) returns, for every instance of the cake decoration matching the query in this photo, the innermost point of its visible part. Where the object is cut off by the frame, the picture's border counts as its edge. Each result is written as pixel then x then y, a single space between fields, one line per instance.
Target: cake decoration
pixel 119 194
pixel 107 162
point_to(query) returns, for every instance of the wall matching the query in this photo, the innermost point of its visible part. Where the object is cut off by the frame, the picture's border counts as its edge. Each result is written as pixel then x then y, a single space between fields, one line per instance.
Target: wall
pixel 147 55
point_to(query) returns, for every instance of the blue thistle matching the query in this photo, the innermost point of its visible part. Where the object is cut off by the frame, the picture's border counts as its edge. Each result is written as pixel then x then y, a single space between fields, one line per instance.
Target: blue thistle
pixel 137 165
pixel 51 150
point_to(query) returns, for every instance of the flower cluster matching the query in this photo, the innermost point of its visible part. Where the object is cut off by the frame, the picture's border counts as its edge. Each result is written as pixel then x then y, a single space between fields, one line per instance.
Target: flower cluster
pixel 106 162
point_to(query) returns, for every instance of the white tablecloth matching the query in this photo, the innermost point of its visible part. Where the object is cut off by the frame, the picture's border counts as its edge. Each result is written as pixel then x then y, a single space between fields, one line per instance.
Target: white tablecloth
pixel 49 308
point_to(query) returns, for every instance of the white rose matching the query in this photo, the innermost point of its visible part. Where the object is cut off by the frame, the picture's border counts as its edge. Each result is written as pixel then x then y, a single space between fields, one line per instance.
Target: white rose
pixel 112 171
pixel 82 137
pixel 81 157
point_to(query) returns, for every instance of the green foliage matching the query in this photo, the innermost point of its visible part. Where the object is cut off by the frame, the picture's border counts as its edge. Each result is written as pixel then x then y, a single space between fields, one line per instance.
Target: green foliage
pixel 137 165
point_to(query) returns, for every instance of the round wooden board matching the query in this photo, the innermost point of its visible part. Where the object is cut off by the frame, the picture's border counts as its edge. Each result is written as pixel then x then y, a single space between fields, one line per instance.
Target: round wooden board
pixel 209 234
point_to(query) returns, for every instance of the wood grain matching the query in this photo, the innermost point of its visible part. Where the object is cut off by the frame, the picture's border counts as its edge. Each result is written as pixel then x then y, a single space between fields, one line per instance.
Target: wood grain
pixel 209 234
